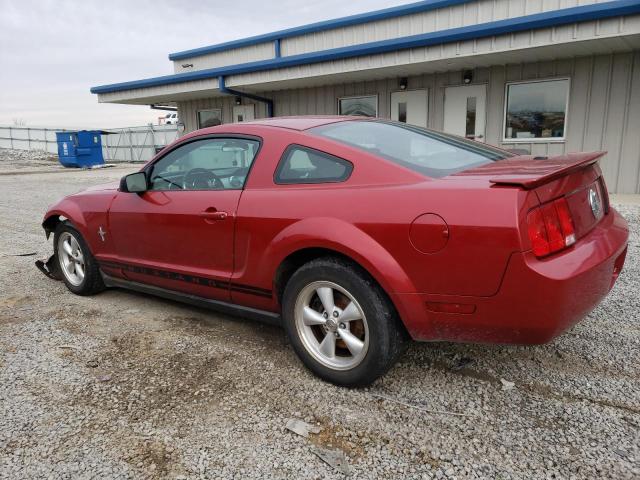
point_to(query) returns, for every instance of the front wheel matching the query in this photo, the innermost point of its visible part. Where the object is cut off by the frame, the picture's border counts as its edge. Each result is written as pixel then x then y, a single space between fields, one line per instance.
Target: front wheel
pixel 340 323
pixel 77 265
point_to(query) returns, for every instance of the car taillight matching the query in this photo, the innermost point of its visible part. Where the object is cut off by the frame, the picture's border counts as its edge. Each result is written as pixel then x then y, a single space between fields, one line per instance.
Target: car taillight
pixel 551 228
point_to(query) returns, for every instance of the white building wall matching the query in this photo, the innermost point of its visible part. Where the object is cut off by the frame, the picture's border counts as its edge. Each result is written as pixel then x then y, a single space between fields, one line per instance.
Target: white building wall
pixel 604 106
pixel 251 53
pixel 472 13
pixel 480 11
pixel 579 39
pixel 188 110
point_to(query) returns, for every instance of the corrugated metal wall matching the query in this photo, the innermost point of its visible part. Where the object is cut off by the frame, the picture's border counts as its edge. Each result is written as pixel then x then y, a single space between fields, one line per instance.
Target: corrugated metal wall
pixel 604 107
pixel 260 51
pixel 471 13
pixel 188 111
pixel 570 40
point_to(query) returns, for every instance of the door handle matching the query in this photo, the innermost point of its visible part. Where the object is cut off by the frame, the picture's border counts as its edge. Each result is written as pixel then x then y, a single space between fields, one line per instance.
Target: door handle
pixel 213 214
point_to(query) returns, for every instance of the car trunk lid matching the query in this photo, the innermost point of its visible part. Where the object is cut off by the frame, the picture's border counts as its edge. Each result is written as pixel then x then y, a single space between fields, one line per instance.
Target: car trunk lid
pixel 574 177
pixel 530 172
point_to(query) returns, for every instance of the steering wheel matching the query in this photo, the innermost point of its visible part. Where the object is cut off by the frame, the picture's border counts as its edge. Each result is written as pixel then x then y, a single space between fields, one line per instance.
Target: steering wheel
pixel 201 179
pixel 237 178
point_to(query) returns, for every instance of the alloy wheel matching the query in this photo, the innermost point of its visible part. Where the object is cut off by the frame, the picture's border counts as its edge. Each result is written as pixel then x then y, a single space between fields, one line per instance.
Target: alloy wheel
pixel 71 259
pixel 332 325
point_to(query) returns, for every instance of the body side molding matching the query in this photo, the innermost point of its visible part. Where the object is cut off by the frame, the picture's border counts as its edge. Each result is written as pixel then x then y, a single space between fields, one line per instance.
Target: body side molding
pixel 223 307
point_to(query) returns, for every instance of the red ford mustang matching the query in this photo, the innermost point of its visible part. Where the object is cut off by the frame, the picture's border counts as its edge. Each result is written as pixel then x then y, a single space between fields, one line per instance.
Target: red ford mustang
pixel 355 234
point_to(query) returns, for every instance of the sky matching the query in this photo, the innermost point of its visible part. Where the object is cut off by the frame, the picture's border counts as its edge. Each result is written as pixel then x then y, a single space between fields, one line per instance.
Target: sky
pixel 53 52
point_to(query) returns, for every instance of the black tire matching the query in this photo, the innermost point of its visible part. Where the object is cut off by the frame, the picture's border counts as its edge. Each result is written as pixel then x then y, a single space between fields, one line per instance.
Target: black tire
pixel 387 336
pixel 92 282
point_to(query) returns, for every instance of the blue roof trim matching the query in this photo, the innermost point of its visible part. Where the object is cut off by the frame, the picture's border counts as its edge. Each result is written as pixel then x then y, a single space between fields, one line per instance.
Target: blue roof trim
pixel 320 26
pixel 539 20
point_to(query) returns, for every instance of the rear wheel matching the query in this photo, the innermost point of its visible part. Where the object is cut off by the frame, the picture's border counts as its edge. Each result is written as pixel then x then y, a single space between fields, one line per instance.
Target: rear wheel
pixel 78 267
pixel 340 323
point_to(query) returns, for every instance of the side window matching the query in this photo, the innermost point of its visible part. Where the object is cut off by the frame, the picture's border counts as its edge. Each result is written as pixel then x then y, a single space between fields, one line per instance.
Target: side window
pixel 305 165
pixel 208 164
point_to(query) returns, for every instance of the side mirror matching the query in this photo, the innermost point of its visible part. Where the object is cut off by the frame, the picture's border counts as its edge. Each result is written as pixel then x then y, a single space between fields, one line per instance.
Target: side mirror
pixel 134 183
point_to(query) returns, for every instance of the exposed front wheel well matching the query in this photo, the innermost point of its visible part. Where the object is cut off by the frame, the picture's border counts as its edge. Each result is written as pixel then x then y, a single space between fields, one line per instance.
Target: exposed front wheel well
pixel 51 223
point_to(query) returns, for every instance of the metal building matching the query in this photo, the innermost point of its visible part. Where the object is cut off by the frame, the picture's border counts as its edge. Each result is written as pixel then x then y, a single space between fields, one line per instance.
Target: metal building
pixel 546 76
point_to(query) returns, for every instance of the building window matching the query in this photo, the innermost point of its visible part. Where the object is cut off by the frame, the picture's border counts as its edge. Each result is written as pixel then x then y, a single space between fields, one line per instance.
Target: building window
pixel 536 110
pixel 470 124
pixel 305 165
pixel 362 106
pixel 209 118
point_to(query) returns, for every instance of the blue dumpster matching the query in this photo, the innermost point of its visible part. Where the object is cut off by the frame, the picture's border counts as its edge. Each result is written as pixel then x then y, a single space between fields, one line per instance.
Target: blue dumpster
pixel 81 148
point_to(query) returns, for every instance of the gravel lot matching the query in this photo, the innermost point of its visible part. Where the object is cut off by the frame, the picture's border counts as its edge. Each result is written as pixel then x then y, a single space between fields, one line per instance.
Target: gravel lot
pixel 27 160
pixel 129 386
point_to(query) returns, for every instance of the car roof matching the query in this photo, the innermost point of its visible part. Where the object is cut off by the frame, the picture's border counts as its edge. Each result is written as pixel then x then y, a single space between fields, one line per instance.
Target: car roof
pixel 302 122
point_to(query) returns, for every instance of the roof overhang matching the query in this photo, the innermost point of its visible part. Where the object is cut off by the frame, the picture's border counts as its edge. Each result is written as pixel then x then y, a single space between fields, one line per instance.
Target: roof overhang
pixel 170 93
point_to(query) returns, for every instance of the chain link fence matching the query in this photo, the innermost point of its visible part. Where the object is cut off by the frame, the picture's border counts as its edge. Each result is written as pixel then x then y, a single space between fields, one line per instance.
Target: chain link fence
pixel 131 144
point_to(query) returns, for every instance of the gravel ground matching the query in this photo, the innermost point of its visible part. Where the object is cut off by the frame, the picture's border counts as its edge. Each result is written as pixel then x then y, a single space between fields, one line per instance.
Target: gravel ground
pixel 129 386
pixel 24 160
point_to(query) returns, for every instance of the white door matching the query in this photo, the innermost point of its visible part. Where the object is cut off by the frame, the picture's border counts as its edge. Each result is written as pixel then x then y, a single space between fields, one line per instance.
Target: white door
pixel 465 111
pixel 243 113
pixel 410 106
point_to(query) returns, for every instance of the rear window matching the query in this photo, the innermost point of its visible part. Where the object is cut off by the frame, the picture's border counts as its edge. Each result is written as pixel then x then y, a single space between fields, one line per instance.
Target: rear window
pixel 427 152
pixel 305 165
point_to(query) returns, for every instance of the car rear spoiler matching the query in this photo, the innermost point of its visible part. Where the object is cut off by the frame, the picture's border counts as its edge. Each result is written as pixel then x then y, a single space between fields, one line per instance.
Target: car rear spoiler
pixel 531 172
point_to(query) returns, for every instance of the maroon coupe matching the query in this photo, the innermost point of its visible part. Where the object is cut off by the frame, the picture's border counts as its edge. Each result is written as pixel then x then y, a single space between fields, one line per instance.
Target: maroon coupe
pixel 356 234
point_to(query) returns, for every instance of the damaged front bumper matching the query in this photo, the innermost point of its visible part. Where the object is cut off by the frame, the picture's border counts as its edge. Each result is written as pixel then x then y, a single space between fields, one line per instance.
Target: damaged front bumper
pixel 49 267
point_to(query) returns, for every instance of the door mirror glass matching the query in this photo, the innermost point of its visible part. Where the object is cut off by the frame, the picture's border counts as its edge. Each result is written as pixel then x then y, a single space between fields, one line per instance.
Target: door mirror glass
pixel 134 183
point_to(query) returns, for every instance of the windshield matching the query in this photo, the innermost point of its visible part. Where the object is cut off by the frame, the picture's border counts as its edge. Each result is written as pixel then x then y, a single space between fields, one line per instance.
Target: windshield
pixel 431 153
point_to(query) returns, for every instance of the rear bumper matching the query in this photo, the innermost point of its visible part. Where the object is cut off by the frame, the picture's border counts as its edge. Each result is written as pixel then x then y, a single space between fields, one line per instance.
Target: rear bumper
pixel 538 298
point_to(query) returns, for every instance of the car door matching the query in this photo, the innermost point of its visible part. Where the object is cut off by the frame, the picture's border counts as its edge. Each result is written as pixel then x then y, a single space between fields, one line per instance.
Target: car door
pixel 179 233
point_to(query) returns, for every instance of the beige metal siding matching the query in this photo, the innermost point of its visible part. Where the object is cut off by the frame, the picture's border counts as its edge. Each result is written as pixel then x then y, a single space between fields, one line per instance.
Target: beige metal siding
pixel 471 13
pixel 252 53
pixel 628 171
pixel 580 39
pixel 481 11
pixel 604 106
pixel 604 112
pixel 188 110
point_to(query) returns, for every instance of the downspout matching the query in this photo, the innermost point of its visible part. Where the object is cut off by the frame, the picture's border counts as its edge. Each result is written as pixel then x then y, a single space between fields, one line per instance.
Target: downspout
pixel 237 93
